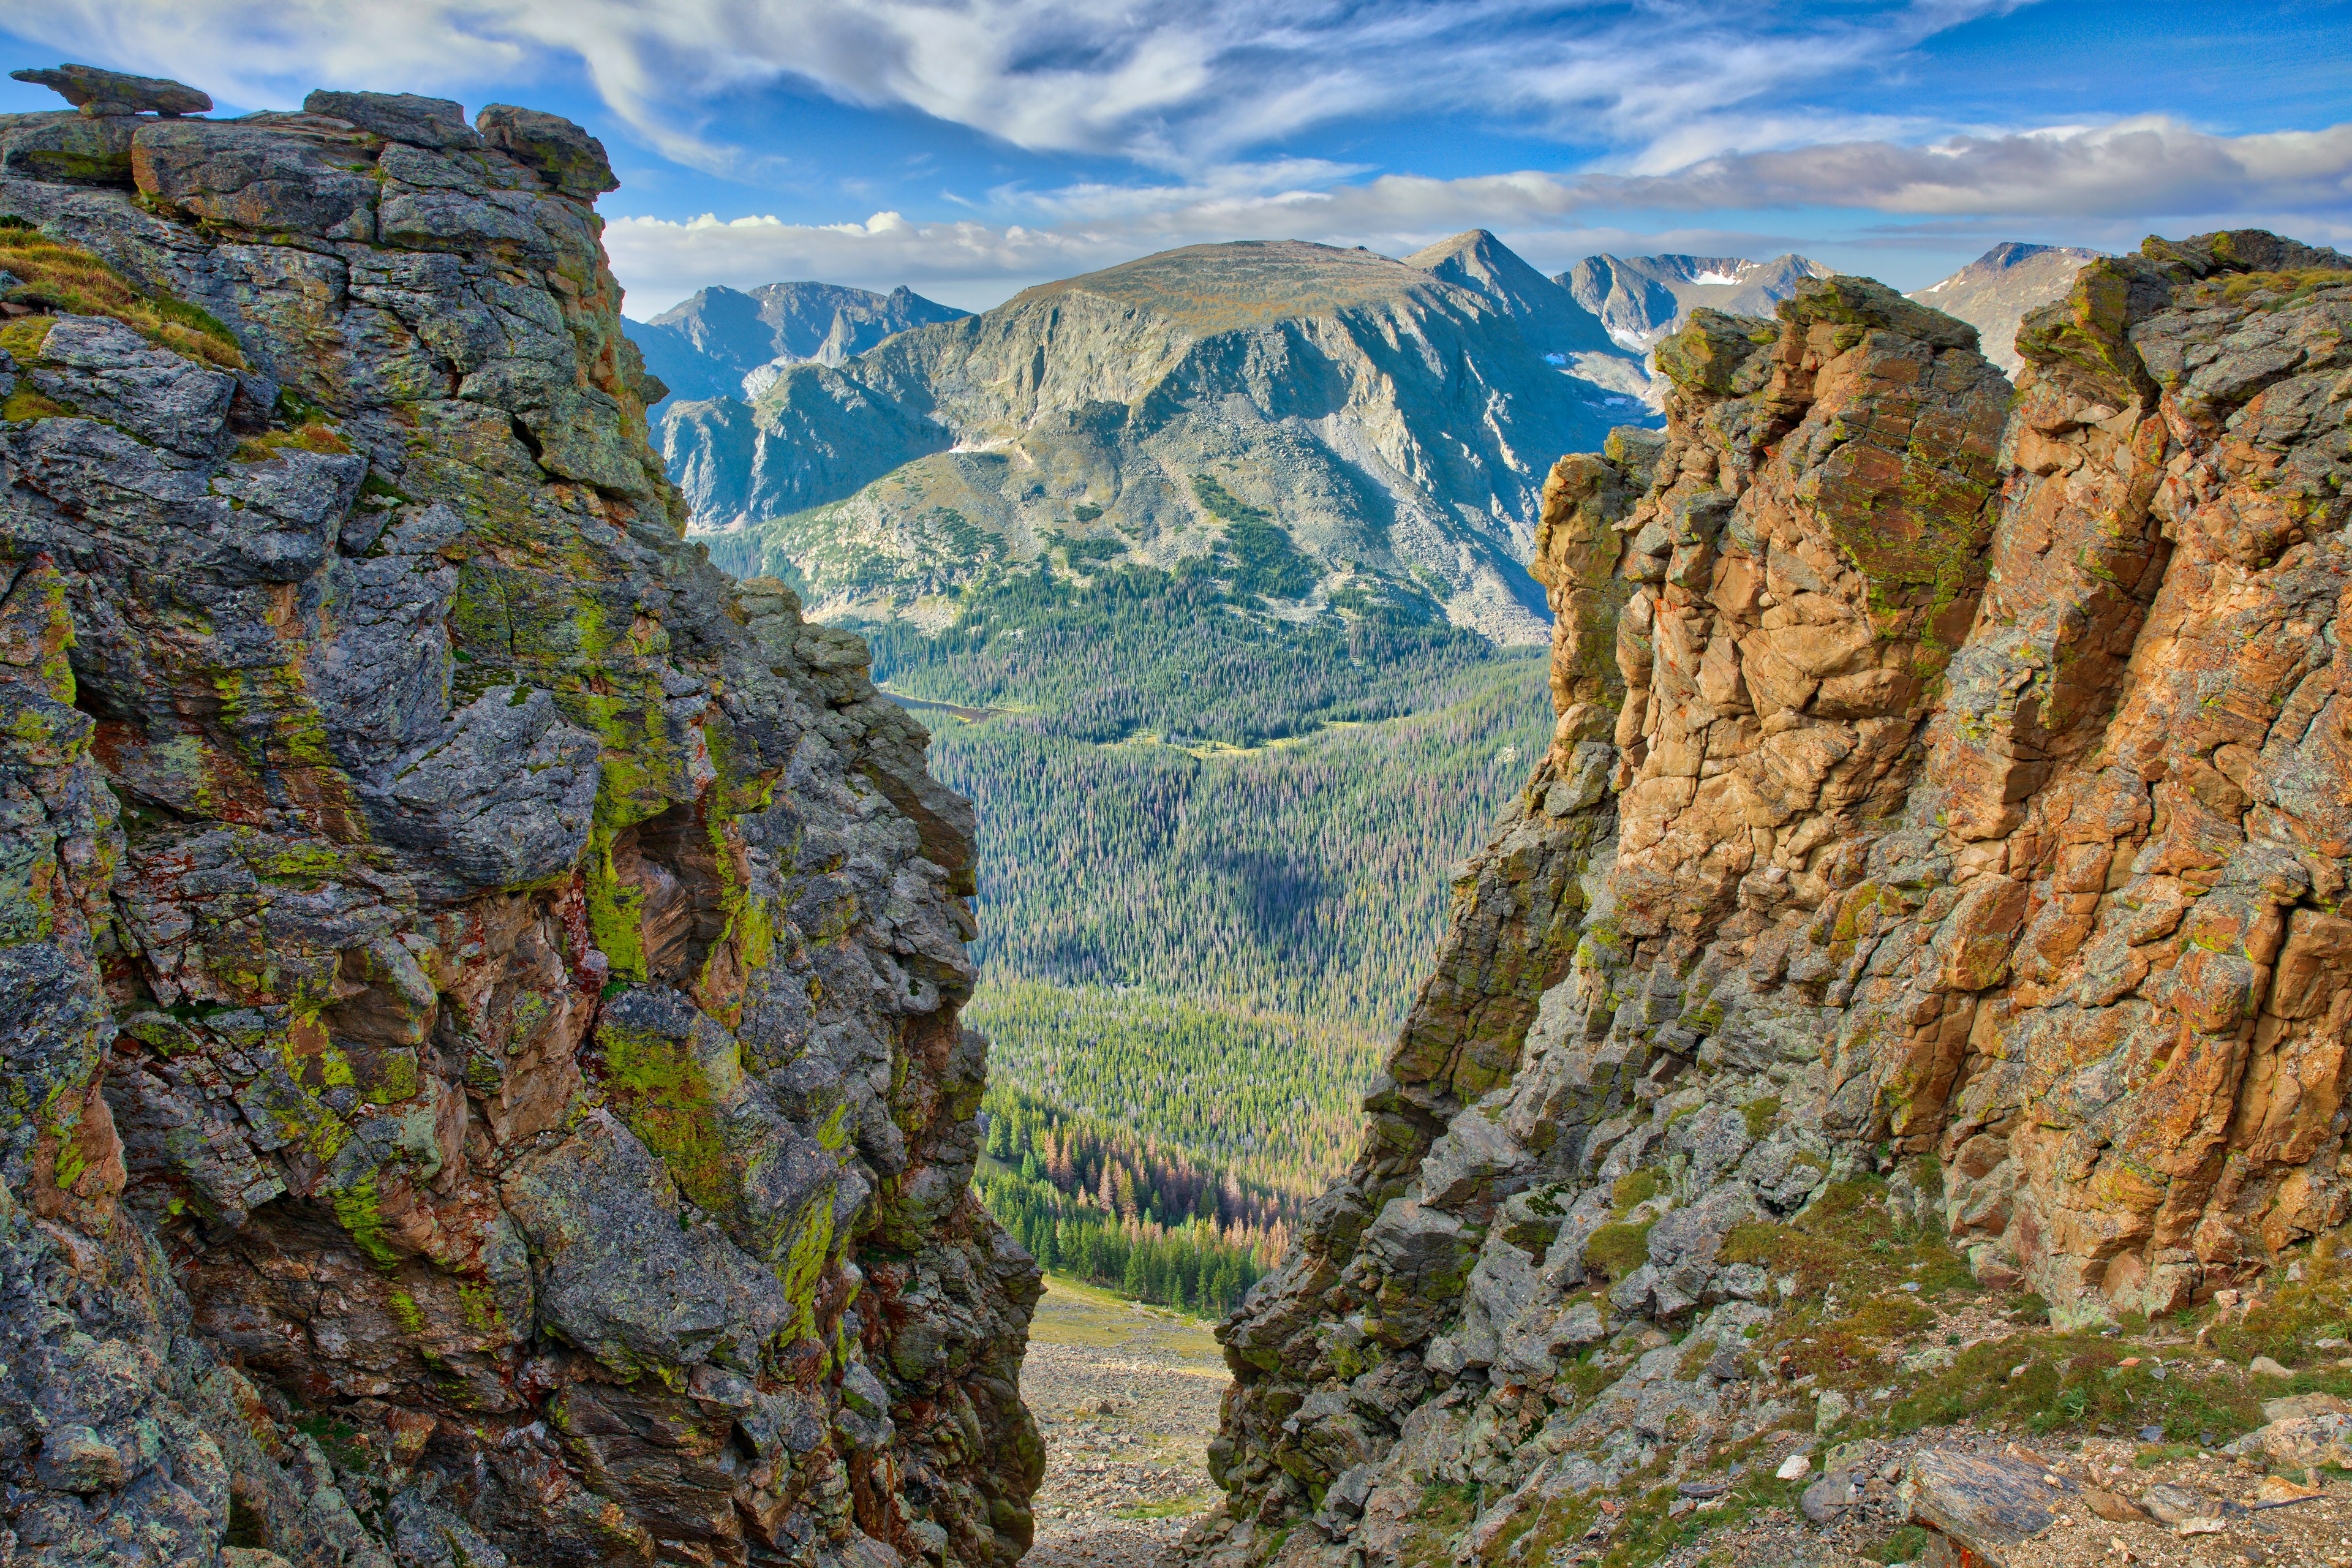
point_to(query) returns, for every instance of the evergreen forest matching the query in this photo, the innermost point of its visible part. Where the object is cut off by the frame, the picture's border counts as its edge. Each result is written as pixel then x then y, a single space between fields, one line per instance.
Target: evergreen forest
pixel 1215 855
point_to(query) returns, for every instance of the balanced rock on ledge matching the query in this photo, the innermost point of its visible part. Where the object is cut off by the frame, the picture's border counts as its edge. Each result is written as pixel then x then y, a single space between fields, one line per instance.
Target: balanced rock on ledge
pixel 98 92
pixel 478 995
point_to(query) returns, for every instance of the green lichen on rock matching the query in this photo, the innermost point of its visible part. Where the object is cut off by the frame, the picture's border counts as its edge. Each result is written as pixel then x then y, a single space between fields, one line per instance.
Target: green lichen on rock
pixel 355 1208
pixel 669 1098
pixel 2087 332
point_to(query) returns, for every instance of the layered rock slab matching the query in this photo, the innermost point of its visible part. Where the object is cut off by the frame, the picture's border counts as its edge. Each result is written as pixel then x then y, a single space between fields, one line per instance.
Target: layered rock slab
pixel 1942 772
pixel 480 988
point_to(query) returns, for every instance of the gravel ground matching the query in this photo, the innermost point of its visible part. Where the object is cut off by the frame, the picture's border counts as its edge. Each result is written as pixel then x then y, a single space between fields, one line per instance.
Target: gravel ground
pixel 2253 1531
pixel 1127 1398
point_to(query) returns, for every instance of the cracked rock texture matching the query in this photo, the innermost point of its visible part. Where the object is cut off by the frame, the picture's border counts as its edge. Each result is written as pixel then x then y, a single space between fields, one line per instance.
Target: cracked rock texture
pixel 1943 772
pixel 477 988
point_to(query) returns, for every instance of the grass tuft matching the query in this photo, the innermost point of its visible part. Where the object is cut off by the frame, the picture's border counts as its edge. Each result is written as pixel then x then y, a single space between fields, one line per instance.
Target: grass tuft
pixel 313 436
pixel 67 279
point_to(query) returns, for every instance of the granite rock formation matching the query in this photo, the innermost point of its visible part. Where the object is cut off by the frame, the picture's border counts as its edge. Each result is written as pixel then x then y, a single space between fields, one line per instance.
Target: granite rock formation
pixel 478 990
pixel 1383 420
pixel 1950 784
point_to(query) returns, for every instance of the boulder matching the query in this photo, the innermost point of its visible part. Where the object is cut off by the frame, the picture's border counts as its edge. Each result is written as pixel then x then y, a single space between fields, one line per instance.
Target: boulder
pixel 435 122
pixel 1827 1500
pixel 561 154
pixel 104 92
pixel 256 178
pixel 1984 1505
pixel 70 149
pixel 2299 1440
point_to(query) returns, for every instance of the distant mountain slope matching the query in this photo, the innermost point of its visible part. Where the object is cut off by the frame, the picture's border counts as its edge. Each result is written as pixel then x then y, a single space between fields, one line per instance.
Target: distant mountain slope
pixel 1317 427
pixel 1993 293
pixel 705 346
pixel 1546 314
pixel 1640 299
pixel 1570 336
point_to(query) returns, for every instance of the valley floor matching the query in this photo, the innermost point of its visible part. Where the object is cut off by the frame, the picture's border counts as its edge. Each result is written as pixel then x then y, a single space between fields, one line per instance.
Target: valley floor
pixel 1126 1396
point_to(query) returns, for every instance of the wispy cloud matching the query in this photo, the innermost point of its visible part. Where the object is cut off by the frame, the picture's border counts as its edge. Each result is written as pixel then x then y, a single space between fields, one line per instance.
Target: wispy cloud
pixel 2142 170
pixel 1210 120
pixel 1176 84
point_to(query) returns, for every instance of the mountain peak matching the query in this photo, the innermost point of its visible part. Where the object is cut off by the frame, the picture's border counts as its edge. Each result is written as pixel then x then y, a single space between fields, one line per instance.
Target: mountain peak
pixel 707 344
pixel 1546 314
pixel 1993 293
pixel 1211 288
pixel 1480 241
pixel 2009 252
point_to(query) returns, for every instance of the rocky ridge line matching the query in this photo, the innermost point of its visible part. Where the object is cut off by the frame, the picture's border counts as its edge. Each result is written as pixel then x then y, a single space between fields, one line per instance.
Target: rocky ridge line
pixel 477 988
pixel 1941 775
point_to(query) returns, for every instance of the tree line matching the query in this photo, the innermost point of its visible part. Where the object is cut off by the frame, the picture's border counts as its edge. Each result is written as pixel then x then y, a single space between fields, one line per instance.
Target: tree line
pixel 1105 1206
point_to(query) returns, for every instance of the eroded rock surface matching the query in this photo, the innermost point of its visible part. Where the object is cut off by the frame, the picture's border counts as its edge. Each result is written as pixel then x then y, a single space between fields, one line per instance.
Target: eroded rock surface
pixel 478 990
pixel 1942 773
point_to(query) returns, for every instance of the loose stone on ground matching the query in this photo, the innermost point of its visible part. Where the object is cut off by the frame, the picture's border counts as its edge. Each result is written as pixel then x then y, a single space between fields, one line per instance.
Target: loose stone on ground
pixel 1126 1397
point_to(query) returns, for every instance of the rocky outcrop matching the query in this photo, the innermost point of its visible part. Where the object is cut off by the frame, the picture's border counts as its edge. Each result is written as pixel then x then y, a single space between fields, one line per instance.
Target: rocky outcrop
pixel 1948 784
pixel 1312 423
pixel 478 991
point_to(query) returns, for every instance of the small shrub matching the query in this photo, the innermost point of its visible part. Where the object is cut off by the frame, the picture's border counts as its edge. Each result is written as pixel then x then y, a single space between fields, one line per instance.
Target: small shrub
pixel 1906 1545
pixel 2156 1453
pixel 24 336
pixel 311 438
pixel 24 404
pixel 1889 1318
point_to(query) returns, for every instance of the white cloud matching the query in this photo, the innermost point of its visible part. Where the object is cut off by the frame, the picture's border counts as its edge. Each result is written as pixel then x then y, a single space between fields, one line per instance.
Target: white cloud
pixel 2096 179
pixel 2150 165
pixel 968 263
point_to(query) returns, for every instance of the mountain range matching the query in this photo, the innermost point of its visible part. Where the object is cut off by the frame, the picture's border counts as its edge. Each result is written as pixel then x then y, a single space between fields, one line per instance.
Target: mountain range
pixel 1322 426
pixel 1317 427
pixel 724 343
pixel 1639 299
pixel 1314 425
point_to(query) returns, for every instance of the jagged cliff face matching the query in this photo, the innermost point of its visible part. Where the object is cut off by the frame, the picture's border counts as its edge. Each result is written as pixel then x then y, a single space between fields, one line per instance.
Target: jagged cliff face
pixel 1387 421
pixel 1939 775
pixel 478 991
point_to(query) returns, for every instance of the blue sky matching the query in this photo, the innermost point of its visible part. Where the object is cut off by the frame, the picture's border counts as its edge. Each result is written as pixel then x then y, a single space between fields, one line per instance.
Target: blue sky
pixel 971 147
